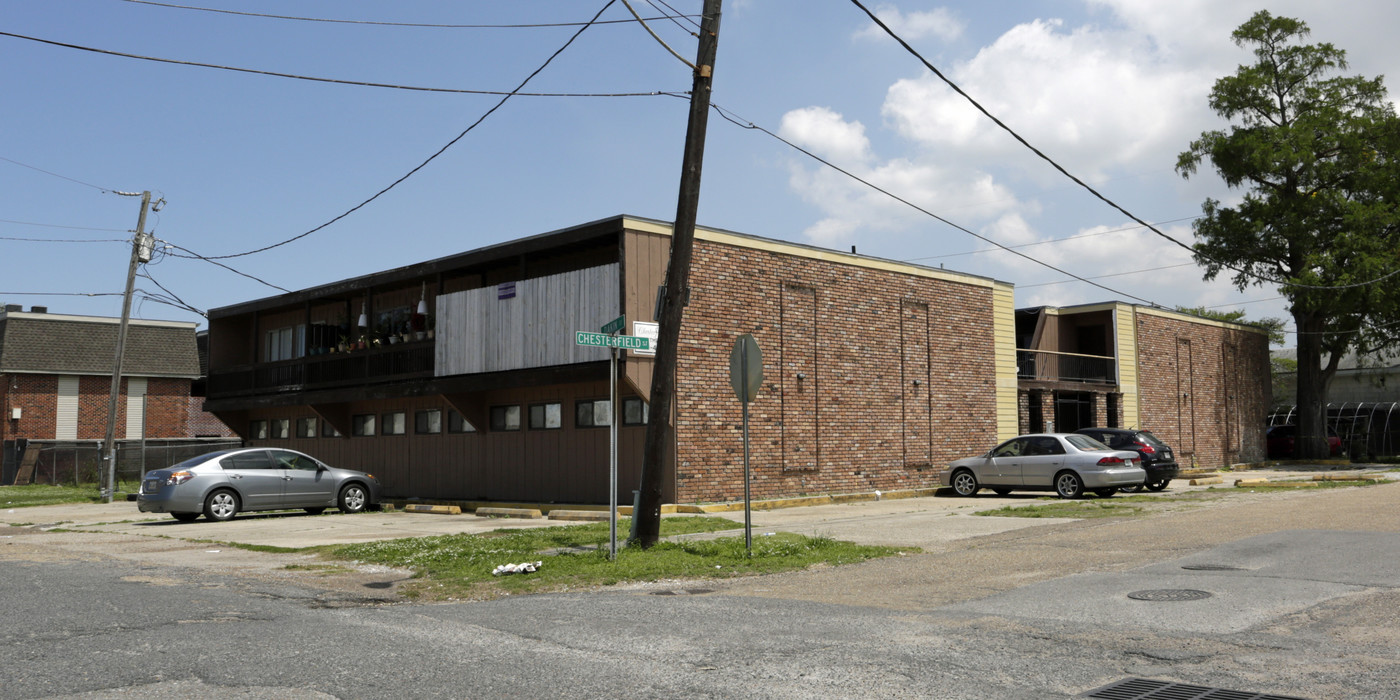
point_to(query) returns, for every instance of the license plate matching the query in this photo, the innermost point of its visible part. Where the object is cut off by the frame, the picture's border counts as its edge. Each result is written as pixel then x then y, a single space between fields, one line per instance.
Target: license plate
pixel 151 486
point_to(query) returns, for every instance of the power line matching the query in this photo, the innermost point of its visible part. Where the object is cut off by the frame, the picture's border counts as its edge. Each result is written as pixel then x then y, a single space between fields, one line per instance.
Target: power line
pixel 74 228
pixel 745 124
pixel 196 256
pixel 1048 241
pixel 314 79
pixel 658 39
pixel 61 177
pixel 1084 185
pixel 394 24
pixel 61 294
pixel 1099 277
pixel 65 240
pixel 430 158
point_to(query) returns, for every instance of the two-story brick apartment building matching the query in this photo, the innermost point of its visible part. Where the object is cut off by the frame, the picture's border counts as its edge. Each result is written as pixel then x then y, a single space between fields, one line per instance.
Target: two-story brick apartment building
pixel 460 378
pixel 1199 384
pixel 56 379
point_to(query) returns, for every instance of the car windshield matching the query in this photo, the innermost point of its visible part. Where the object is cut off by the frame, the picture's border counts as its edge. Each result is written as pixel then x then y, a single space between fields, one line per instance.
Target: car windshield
pixel 201 459
pixel 1086 443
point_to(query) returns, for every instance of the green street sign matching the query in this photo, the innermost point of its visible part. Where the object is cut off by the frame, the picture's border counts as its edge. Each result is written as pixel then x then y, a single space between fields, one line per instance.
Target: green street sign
pixel 626 342
pixel 615 325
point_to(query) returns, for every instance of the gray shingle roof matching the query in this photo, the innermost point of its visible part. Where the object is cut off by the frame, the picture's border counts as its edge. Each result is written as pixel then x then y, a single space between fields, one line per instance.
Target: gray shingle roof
pixel 56 344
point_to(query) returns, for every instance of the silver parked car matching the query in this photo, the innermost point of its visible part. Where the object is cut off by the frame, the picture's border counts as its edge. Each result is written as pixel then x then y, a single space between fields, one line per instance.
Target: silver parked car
pixel 1066 463
pixel 222 484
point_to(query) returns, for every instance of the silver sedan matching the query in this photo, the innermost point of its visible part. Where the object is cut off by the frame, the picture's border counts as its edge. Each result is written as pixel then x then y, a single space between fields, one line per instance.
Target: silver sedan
pixel 1066 463
pixel 222 484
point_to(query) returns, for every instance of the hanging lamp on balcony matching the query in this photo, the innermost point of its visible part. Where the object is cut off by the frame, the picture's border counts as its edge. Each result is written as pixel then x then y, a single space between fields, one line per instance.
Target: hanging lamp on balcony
pixel 423 301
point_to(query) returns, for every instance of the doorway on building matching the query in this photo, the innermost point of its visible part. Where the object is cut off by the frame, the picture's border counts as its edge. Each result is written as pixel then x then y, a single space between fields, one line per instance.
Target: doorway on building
pixel 1073 410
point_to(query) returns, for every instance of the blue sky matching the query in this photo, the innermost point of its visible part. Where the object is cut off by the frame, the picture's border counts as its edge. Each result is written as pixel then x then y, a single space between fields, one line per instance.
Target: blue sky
pixel 1112 89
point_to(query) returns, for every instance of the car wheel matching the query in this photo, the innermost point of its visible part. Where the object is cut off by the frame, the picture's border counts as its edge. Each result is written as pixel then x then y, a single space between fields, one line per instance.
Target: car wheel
pixel 1158 485
pixel 1105 493
pixel 221 505
pixel 185 517
pixel 1133 489
pixel 964 483
pixel 1002 492
pixel 353 499
pixel 315 511
pixel 1069 485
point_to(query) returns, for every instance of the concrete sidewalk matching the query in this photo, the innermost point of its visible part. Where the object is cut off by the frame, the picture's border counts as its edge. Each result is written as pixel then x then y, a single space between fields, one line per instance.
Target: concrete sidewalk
pixel 893 519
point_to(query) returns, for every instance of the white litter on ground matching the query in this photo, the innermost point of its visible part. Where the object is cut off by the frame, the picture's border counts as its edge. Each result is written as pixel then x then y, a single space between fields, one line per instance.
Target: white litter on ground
pixel 525 567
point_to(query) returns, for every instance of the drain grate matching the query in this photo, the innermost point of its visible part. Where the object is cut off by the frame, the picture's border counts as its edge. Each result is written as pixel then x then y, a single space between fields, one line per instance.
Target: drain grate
pixel 1211 567
pixel 1169 594
pixel 1144 689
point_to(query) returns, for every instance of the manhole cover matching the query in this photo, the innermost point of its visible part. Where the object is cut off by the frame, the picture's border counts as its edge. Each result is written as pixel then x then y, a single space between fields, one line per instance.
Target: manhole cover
pixel 1211 567
pixel 1169 594
pixel 684 591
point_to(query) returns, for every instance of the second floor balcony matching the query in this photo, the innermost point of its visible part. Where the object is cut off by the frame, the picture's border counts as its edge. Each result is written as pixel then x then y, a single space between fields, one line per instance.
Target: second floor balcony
pixel 409 360
pixel 1050 366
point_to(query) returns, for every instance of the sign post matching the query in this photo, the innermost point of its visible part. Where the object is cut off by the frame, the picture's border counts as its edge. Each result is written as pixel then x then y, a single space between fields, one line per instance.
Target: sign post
pixel 746 376
pixel 609 338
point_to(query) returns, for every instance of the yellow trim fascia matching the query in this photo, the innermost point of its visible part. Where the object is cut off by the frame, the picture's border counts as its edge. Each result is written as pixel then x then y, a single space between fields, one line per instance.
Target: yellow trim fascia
pixel 1126 320
pixel 771 246
pixel 1004 344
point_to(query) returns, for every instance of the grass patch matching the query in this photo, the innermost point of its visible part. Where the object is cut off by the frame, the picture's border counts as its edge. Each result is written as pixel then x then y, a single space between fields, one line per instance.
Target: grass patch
pixel 43 495
pixel 1293 485
pixel 575 556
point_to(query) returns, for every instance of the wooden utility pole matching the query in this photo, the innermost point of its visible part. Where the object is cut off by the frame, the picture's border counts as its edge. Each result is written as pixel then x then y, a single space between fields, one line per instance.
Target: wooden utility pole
pixel 660 433
pixel 138 245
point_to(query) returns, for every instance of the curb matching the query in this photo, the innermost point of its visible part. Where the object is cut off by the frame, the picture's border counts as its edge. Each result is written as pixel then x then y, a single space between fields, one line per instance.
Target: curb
pixel 437 510
pixel 528 513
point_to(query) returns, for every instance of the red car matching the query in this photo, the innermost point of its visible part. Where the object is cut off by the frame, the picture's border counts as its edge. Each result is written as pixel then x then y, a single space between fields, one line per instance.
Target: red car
pixel 1280 439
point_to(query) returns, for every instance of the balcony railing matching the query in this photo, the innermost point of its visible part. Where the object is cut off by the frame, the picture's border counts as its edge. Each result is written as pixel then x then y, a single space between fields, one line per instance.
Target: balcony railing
pixel 370 366
pixel 1050 366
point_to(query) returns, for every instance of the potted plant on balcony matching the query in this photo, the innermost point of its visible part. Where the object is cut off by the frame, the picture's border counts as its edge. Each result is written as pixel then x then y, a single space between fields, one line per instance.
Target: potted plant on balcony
pixel 431 322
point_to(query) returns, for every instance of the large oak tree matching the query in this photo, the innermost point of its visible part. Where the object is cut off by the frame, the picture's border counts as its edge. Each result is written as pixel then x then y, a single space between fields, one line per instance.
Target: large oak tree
pixel 1313 152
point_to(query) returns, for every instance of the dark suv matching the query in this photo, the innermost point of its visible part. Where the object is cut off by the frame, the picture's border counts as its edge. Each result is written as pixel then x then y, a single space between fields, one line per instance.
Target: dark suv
pixel 1157 457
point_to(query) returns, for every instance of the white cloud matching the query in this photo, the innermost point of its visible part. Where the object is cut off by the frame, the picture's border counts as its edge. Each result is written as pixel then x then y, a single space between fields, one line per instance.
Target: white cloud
pixel 939 23
pixel 1089 98
pixel 848 205
pixel 826 134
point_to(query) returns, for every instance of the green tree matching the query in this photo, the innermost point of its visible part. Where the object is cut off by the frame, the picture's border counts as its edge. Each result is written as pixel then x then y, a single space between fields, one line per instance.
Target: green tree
pixel 1314 152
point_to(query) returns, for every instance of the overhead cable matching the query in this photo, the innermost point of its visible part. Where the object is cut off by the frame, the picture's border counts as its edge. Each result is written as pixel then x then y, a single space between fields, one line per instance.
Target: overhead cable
pixel 1091 190
pixel 61 177
pixel 390 24
pixel 738 121
pixel 423 164
pixel 658 39
pixel 334 81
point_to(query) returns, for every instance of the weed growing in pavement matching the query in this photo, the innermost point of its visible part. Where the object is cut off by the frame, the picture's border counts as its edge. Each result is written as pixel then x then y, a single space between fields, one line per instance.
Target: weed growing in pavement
pixel 576 556
pixel 1098 508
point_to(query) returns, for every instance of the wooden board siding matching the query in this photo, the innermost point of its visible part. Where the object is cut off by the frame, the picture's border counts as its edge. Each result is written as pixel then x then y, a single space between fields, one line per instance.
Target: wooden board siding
pixel 565 465
pixel 479 332
pixel 645 256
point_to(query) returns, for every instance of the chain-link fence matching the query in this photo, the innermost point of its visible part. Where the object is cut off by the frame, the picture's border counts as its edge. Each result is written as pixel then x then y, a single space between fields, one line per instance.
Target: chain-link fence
pixel 1367 430
pixel 82 463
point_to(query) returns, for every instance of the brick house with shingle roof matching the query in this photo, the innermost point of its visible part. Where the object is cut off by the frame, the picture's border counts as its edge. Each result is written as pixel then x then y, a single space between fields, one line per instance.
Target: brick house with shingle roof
pixel 56 378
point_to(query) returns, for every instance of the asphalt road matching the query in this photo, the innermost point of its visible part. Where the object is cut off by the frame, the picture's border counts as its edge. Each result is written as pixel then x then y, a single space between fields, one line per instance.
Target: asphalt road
pixel 1310 607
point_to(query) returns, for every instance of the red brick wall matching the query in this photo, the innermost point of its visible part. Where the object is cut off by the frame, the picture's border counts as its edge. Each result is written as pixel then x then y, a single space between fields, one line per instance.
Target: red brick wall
pixel 37 396
pixel 1203 389
pixel 858 376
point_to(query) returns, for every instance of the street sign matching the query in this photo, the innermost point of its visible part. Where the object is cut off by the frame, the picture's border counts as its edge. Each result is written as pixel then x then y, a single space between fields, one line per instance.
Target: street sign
pixel 627 342
pixel 614 325
pixel 746 368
